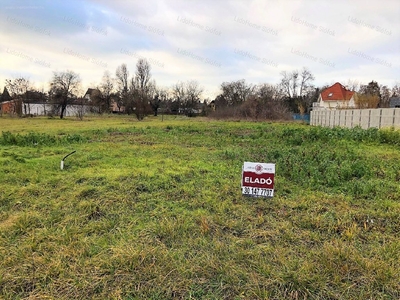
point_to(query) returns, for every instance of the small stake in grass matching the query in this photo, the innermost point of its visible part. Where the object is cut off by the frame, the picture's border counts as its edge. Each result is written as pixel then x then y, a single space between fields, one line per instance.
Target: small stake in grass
pixel 62 161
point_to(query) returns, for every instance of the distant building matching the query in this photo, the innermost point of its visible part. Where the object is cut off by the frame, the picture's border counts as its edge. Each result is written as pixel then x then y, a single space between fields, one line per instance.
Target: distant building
pixel 394 102
pixel 335 97
pixel 5 96
pixel 91 94
pixel 10 107
pixel 34 103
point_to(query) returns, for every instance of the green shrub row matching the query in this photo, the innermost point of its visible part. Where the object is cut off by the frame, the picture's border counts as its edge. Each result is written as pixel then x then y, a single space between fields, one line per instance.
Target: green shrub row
pixel 335 170
pixel 38 139
pixel 297 136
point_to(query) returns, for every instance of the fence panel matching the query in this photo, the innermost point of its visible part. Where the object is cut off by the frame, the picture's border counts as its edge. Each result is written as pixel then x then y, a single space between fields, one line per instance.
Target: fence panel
pixel 365 118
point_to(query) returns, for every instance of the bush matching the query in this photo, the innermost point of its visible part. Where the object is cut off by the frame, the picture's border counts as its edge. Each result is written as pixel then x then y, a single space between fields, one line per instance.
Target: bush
pixel 389 136
pixel 38 139
pixel 297 136
pixel 253 109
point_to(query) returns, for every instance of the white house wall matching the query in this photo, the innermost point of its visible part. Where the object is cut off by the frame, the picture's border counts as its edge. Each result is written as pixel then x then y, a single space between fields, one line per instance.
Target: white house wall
pixel 37 109
pixel 334 104
pixel 44 109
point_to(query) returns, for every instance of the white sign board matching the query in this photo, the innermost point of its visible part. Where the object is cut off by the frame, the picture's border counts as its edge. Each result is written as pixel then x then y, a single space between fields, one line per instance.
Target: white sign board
pixel 258 179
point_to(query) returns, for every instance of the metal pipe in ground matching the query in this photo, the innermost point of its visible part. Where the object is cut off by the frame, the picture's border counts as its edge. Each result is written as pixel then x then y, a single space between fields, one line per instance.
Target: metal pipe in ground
pixel 62 161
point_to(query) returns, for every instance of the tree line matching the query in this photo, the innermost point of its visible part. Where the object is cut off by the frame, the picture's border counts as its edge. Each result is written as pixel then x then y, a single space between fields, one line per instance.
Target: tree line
pixel 140 95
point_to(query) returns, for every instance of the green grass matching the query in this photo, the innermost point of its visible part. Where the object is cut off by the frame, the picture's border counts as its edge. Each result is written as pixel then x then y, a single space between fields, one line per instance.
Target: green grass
pixel 153 210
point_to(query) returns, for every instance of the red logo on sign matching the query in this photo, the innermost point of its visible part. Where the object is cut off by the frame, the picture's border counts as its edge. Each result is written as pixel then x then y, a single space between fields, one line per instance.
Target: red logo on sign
pixel 263 180
pixel 258 169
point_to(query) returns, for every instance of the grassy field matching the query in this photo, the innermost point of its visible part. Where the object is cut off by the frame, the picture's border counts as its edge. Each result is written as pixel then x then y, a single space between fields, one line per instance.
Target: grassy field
pixel 153 210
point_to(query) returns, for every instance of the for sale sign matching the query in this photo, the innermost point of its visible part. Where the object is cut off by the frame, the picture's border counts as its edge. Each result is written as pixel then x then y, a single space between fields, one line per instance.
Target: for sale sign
pixel 258 179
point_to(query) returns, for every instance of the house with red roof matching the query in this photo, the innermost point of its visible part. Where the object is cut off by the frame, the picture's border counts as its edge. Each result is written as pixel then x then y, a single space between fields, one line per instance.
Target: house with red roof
pixel 335 97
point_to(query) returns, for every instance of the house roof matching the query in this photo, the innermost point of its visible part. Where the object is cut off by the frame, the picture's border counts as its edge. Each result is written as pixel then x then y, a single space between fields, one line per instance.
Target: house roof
pixel 34 97
pixel 5 96
pixel 91 91
pixel 336 92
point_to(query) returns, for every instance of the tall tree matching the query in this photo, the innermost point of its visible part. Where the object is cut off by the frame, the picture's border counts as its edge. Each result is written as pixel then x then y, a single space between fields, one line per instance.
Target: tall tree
pixel 143 74
pixel 366 100
pixel 186 96
pixel 236 92
pixel 159 96
pixel 266 103
pixel 371 93
pixel 268 92
pixel 122 81
pixel 371 88
pixel 179 95
pixel 106 89
pixel 142 89
pixel 298 89
pixel 193 93
pixel 353 85
pixel 385 96
pixel 289 83
pixel 396 90
pixel 64 87
pixel 122 75
pixel 306 79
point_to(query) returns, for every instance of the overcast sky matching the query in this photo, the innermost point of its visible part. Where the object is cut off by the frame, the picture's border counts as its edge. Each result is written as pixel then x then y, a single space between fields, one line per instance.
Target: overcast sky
pixel 209 41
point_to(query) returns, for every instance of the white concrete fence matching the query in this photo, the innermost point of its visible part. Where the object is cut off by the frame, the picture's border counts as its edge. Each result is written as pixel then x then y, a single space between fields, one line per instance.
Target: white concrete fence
pixel 365 118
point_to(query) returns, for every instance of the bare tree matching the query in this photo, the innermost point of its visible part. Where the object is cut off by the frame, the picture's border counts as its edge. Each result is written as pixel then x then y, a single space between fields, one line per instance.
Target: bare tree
pixel 306 79
pixel 236 92
pixel 143 74
pixel 179 95
pixel 18 86
pixel 122 75
pixel 297 84
pixel 366 100
pixel 298 89
pixel 396 90
pixel 64 87
pixel 106 89
pixel 158 96
pixel 267 103
pixel 371 89
pixel 289 83
pixel 353 85
pixel 186 96
pixel 164 100
pixel 268 92
pixel 193 92
pixel 385 96
pixel 142 89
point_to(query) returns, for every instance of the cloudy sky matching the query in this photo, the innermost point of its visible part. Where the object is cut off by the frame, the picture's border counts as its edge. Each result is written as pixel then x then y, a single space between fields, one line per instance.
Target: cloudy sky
pixel 208 41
